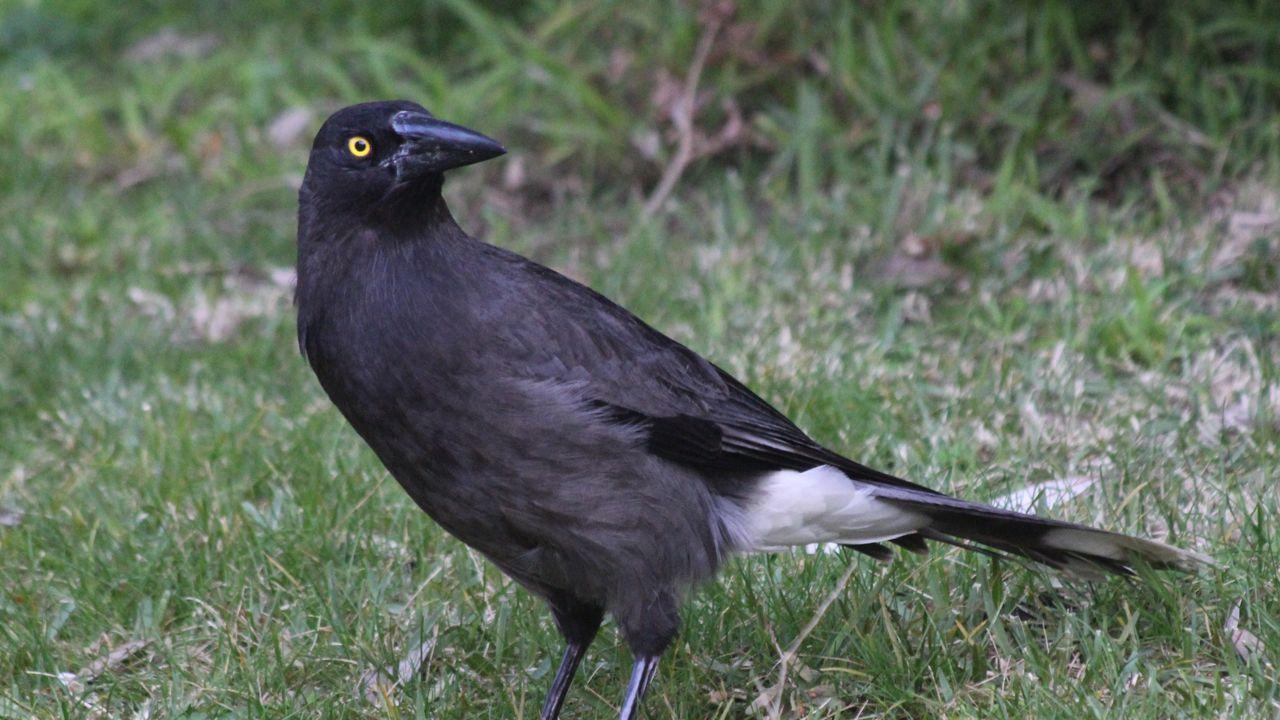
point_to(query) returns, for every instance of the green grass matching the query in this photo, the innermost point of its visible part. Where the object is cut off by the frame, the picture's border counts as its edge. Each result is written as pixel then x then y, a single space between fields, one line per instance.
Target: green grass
pixel 978 246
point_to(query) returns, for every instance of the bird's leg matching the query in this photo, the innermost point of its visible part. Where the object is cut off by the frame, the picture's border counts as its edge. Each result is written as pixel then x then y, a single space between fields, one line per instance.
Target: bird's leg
pixel 641 675
pixel 649 623
pixel 578 622
pixel 573 653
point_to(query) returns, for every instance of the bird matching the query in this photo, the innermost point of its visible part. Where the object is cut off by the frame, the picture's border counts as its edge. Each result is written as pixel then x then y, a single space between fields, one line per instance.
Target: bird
pixel 600 464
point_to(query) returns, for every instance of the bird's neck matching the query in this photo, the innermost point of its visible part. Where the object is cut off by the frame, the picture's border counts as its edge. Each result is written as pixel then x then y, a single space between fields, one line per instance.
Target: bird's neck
pixel 420 218
pixel 413 212
pixel 358 256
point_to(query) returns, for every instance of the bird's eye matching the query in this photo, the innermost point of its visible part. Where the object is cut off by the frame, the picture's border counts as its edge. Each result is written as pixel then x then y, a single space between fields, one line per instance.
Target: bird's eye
pixel 359 146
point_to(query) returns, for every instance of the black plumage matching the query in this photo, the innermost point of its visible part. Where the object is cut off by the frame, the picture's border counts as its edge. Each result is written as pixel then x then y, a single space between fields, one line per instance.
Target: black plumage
pixel 602 465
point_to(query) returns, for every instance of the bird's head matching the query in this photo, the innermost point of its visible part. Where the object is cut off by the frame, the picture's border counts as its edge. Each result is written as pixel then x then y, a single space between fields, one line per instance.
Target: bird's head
pixel 371 157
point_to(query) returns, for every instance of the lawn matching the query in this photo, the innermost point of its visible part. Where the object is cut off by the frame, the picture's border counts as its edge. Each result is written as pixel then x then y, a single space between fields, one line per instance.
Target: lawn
pixel 1026 253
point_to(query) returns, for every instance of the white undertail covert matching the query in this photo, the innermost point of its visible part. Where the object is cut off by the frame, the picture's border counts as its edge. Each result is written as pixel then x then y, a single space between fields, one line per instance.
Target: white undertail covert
pixel 821 505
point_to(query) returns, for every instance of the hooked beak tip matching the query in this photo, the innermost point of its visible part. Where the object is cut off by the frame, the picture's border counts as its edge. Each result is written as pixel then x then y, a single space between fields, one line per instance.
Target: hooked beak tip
pixel 434 145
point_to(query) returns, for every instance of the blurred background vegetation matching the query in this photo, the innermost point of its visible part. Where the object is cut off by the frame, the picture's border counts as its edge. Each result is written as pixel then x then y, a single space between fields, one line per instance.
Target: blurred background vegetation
pixel 983 244
pixel 1129 102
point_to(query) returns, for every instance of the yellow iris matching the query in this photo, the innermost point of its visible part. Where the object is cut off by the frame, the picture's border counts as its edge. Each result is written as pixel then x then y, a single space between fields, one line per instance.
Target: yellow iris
pixel 359 146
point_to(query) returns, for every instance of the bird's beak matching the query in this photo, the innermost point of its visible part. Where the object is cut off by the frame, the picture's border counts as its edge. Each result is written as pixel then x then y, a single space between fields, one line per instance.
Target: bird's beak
pixel 433 146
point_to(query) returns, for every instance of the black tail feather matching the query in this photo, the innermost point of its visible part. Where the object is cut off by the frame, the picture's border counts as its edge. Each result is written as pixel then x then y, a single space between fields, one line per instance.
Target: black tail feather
pixel 874 550
pixel 913 543
pixel 1075 549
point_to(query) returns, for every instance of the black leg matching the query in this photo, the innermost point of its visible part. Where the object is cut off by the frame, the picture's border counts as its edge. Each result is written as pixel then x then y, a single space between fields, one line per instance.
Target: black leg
pixel 573 653
pixel 641 675
pixel 578 622
pixel 649 623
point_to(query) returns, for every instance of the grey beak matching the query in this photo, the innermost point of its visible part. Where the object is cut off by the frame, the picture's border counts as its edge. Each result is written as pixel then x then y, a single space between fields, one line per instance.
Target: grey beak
pixel 433 146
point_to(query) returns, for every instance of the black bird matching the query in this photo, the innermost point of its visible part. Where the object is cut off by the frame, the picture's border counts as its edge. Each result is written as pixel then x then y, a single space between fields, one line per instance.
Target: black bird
pixel 599 463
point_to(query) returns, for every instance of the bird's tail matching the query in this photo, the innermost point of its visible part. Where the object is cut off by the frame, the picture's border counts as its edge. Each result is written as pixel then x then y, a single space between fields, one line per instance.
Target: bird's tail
pixel 1077 549
pixel 828 504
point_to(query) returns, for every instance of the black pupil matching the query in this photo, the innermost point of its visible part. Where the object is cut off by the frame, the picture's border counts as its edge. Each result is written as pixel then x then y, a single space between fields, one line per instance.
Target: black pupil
pixel 360 145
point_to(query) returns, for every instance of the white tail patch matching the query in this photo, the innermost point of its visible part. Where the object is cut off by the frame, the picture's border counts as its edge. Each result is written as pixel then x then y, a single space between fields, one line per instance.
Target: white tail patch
pixel 820 505
pixel 1123 548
